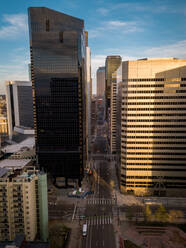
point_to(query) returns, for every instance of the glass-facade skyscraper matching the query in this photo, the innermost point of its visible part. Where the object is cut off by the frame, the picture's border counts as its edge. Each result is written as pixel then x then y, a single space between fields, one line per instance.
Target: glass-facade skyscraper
pixel 57 47
pixel 111 65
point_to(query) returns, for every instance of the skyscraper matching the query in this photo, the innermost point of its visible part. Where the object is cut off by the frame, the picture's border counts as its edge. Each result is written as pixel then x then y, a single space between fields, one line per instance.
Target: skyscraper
pixel 111 65
pixel 88 90
pixel 100 76
pixel 57 46
pixel 114 110
pixel 19 107
pixel 153 127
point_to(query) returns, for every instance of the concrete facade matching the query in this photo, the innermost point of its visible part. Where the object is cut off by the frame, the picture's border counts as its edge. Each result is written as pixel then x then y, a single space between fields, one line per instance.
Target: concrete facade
pixel 19 107
pixel 88 99
pixel 23 204
pixel 153 123
pixel 100 77
pixel 114 120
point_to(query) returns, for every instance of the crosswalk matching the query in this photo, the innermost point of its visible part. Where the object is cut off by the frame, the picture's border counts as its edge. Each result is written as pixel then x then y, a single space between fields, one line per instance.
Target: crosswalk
pixel 100 201
pixel 99 220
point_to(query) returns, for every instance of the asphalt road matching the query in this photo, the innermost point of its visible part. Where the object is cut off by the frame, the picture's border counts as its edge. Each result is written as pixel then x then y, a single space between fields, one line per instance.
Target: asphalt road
pixel 99 215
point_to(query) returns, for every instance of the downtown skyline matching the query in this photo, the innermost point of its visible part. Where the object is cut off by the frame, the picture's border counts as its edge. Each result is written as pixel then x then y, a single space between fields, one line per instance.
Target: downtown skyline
pixel 85 170
pixel 131 29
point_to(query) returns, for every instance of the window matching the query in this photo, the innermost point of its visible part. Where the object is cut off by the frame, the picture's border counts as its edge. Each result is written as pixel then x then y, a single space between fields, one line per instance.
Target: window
pixel 47 25
pixel 61 37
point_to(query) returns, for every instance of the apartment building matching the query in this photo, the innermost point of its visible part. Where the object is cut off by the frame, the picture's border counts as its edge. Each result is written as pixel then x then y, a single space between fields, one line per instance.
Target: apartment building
pixel 153 123
pixel 23 201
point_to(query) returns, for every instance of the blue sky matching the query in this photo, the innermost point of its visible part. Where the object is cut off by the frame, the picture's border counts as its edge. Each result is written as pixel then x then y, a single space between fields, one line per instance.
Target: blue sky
pixel 133 29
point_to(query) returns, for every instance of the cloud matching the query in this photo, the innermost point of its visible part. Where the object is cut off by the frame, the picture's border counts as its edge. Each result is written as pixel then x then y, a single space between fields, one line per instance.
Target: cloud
pixel 15 26
pixel 103 11
pixel 115 26
pixel 172 50
pixel 16 68
pixel 118 24
pixel 157 7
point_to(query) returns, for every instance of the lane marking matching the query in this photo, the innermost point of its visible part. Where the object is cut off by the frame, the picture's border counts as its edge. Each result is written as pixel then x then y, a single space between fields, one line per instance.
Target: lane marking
pixel 74 211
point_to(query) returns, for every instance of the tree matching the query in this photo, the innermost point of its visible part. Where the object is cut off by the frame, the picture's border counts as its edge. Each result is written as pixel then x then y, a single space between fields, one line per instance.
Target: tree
pixel 161 215
pixel 57 233
pixel 148 213
pixel 175 214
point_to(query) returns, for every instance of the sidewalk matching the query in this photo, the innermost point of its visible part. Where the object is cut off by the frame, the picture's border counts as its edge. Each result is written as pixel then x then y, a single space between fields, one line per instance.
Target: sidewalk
pixel 75 235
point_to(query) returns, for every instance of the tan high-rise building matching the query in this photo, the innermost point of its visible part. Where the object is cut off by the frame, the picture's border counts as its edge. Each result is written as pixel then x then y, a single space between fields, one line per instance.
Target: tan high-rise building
pixel 153 122
pixel 100 76
pixel 23 201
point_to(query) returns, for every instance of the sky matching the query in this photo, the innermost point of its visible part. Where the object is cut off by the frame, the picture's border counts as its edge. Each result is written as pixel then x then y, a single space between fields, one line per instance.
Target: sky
pixel 133 29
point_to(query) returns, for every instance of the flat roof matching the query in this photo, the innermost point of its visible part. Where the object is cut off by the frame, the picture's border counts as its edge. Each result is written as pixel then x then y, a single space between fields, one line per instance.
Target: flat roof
pixel 14 163
pixel 29 142
pixel 3 171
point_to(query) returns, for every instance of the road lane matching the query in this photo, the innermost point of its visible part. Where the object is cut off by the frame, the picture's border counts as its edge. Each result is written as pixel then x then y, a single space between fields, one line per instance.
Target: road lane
pixel 99 212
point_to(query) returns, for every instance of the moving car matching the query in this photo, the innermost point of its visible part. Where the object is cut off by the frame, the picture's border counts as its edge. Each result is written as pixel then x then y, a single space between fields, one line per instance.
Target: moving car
pixel 84 230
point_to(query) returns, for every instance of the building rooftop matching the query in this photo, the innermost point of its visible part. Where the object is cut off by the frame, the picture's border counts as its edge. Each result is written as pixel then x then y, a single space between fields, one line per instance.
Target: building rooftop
pixel 3 171
pixel 14 163
pixel 167 58
pixel 19 242
pixel 29 142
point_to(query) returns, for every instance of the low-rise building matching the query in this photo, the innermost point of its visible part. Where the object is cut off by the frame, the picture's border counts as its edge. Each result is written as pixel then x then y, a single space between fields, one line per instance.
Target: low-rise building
pixel 20 242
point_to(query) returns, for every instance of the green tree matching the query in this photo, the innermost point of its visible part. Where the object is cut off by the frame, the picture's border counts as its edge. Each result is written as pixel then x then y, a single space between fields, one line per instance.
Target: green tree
pixel 161 215
pixel 57 233
pixel 175 214
pixel 148 213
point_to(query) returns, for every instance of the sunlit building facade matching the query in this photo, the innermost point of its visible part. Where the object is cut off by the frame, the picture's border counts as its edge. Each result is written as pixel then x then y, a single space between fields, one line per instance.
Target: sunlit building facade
pixel 111 65
pixel 153 123
pixel 57 47
pixel 3 128
pixel 23 201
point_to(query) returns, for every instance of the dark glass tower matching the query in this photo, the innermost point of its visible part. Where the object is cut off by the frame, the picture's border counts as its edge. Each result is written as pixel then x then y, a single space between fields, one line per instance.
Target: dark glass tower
pixel 57 50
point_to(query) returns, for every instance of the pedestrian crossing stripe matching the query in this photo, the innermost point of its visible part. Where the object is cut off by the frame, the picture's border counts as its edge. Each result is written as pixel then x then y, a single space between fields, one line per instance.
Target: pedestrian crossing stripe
pixel 100 201
pixel 98 220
